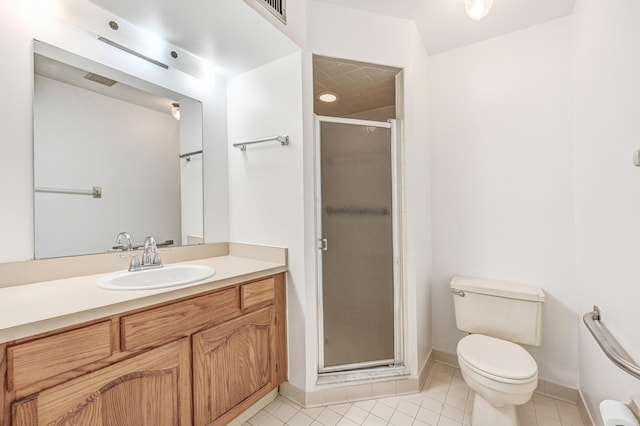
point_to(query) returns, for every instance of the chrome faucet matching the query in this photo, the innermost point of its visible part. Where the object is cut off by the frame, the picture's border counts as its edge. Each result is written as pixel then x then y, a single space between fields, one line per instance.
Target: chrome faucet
pixel 118 244
pixel 150 257
pixel 150 247
pixel 127 251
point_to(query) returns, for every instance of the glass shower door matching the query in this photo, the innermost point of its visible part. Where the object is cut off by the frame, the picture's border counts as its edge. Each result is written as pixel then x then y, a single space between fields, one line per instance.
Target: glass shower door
pixel 356 244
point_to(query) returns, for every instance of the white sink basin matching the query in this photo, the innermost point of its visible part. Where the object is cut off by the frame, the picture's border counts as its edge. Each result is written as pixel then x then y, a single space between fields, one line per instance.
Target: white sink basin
pixel 167 276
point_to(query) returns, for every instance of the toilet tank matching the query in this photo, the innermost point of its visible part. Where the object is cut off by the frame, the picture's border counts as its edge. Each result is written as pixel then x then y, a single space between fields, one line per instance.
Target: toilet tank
pixel 502 309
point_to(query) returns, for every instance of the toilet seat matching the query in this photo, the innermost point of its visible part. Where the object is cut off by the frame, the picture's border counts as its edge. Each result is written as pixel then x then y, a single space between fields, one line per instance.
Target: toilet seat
pixel 497 359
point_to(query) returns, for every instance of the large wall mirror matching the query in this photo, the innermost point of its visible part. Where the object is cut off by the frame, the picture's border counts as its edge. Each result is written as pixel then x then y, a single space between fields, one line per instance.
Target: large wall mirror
pixel 109 157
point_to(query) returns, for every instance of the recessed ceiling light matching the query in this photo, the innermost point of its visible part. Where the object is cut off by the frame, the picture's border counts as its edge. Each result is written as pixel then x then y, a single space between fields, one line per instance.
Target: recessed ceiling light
pixel 328 97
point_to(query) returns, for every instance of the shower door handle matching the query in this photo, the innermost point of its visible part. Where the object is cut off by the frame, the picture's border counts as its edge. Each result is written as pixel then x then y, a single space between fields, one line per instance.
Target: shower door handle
pixel 323 244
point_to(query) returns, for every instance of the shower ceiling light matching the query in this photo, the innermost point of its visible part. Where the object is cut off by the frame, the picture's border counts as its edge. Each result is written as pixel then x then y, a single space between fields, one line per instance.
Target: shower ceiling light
pixel 477 9
pixel 328 97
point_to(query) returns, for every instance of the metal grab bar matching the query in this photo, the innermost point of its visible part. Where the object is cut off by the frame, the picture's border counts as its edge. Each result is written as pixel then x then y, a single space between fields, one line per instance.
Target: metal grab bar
pixel 96 191
pixel 612 349
pixel 284 140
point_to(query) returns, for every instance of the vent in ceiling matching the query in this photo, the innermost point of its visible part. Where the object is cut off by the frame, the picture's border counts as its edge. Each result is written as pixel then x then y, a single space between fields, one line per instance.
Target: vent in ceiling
pixel 97 78
pixel 276 7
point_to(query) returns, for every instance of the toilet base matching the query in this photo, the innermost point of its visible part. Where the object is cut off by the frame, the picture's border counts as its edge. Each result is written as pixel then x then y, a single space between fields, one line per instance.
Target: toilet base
pixel 485 414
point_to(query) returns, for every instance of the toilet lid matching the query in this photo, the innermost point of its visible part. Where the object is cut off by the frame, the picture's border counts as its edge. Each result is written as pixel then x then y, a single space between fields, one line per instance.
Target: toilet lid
pixel 497 357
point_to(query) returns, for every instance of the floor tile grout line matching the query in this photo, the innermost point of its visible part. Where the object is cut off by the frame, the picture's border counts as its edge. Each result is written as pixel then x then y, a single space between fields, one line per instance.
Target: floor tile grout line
pixel 445 375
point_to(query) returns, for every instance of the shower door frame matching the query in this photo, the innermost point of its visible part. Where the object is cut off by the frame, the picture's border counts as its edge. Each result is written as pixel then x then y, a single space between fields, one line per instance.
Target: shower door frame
pixel 398 293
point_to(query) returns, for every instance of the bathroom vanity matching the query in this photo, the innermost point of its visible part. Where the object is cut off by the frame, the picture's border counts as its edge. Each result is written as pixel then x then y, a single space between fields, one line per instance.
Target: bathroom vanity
pixel 200 354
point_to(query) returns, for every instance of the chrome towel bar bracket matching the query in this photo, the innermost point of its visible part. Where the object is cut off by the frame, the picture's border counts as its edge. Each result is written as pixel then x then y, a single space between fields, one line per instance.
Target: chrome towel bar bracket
pixel 612 349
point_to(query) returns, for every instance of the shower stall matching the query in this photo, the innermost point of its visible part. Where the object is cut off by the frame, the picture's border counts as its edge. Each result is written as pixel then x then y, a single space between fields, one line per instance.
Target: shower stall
pixel 358 247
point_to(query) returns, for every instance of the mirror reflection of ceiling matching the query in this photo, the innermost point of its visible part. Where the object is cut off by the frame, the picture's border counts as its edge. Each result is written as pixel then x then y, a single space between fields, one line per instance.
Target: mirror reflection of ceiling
pixel 65 73
pixel 359 86
pixel 226 33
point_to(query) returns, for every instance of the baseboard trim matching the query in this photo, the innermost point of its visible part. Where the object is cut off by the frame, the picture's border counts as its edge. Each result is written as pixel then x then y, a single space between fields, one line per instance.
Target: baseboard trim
pixel 445 358
pixel 368 388
pixel 254 409
pixel 426 369
pixel 380 388
pixel 585 415
pixel 545 387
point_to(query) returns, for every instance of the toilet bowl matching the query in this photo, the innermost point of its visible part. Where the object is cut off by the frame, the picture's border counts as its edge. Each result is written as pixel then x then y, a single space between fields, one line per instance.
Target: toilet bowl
pixel 500 316
pixel 501 373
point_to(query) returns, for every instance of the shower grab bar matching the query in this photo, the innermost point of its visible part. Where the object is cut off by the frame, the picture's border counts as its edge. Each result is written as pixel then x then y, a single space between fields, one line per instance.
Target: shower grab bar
pixel 284 140
pixel 612 349
pixel 96 191
pixel 187 156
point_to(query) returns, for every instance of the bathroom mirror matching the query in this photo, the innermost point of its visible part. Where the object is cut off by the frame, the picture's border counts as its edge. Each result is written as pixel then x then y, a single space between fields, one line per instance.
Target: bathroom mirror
pixel 109 158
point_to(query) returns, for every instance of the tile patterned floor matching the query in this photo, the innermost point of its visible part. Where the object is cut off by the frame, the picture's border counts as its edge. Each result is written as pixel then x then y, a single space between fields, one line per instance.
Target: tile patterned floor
pixel 445 401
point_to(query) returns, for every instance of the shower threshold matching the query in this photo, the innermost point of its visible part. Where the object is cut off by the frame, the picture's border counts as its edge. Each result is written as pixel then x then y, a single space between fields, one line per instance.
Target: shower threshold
pixel 362 374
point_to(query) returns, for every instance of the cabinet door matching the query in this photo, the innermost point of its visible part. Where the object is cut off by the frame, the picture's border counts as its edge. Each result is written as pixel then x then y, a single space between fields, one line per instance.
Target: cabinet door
pixel 149 389
pixel 233 366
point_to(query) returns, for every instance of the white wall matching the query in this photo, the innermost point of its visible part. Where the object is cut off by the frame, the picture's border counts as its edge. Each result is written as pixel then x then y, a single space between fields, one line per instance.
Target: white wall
pixel 606 128
pixel 351 34
pixel 16 172
pixel 266 181
pixel 502 189
pixel 84 139
pixel 191 178
pixel 296 14
pixel 417 204
pixel 272 188
pixel 20 22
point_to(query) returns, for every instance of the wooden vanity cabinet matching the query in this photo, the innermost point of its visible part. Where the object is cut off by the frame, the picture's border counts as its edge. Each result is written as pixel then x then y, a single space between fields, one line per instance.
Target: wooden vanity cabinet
pixel 232 363
pixel 199 360
pixel 153 388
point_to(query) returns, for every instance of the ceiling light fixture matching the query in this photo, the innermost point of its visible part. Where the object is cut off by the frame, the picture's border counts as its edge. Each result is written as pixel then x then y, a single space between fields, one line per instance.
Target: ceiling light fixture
pixel 175 110
pixel 477 9
pixel 328 97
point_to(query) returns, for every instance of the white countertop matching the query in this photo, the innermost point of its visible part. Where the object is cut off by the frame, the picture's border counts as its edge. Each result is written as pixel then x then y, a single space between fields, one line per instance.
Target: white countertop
pixel 29 309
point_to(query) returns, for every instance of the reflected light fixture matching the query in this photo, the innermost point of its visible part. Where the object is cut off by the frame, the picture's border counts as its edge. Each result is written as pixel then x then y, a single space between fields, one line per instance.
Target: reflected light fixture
pixel 477 9
pixel 175 110
pixel 328 97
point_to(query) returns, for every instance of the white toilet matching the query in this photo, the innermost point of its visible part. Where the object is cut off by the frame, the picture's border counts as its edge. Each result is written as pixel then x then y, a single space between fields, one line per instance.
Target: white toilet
pixel 499 315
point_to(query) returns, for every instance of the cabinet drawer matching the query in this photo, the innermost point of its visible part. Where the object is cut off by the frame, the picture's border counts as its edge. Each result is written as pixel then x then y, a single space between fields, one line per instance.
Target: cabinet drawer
pixel 166 323
pixel 258 293
pixel 30 362
pixel 152 388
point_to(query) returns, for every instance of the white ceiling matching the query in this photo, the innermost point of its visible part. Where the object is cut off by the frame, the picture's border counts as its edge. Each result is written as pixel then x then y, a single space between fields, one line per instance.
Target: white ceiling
pixel 230 32
pixel 226 33
pixel 231 35
pixel 444 25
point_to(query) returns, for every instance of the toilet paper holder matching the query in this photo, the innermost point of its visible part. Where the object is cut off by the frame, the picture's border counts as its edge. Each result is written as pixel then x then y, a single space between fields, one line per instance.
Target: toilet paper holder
pixel 616 413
